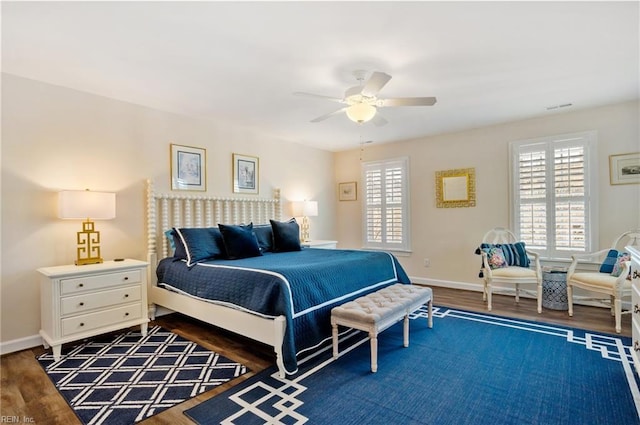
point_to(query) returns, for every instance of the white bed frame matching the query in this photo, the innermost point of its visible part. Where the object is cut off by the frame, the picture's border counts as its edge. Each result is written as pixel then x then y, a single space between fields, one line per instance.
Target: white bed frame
pixel 165 211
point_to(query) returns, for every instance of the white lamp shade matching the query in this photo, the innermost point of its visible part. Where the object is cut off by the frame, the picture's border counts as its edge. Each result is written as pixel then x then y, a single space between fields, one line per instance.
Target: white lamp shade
pixel 361 112
pixel 304 209
pixel 85 204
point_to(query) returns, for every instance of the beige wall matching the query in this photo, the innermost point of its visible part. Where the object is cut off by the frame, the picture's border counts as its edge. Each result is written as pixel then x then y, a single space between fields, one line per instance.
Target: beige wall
pixel 449 236
pixel 55 138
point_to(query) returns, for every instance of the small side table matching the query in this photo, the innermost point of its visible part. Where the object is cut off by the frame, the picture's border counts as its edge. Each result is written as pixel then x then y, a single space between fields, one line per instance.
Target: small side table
pixel 554 289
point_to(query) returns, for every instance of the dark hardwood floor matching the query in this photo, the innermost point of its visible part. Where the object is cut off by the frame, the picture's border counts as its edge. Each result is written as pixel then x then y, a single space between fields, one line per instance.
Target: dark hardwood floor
pixel 27 391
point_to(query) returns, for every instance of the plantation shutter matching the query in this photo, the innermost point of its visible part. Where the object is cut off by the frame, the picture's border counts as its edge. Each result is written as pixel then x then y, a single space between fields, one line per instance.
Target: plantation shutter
pixel 554 192
pixel 386 204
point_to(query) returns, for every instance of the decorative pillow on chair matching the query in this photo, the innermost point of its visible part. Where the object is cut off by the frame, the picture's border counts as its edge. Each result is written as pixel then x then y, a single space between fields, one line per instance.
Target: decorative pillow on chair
pixel 239 241
pixel 495 257
pixel 199 244
pixel 286 235
pixel 618 266
pixel 609 261
pixel 514 253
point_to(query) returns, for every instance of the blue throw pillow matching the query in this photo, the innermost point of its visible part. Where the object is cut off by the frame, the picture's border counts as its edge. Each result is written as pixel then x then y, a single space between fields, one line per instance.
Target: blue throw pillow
pixel 286 235
pixel 609 261
pixel 515 254
pixel 264 233
pixel 239 241
pixel 199 244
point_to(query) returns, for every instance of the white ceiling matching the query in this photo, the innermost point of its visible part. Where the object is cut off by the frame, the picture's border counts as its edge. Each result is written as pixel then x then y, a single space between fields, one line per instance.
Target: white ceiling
pixel 240 62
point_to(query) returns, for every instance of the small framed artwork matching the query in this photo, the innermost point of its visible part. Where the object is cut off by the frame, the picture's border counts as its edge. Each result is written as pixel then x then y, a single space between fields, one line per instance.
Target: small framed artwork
pixel 347 191
pixel 188 168
pixel 456 188
pixel 246 172
pixel 624 168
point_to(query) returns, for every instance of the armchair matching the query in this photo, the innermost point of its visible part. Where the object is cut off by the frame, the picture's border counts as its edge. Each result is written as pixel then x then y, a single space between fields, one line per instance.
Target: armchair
pixel 505 260
pixel 612 278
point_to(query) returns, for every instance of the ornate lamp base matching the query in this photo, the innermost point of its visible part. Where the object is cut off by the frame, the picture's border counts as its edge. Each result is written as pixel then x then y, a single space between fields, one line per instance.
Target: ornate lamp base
pixel 88 245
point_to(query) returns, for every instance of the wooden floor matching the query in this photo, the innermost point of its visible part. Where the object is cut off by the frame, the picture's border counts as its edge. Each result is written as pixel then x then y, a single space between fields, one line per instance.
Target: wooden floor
pixel 27 391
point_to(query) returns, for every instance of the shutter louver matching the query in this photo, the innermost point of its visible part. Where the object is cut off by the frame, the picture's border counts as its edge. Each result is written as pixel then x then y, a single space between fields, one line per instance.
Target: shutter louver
pixel 385 204
pixel 532 191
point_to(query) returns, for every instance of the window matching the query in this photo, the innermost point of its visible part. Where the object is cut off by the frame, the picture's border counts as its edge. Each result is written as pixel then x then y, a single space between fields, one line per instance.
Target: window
pixel 386 204
pixel 553 186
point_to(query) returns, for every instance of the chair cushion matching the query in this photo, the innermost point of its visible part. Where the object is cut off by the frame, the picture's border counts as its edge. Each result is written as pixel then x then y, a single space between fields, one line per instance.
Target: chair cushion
pixel 514 271
pixel 601 280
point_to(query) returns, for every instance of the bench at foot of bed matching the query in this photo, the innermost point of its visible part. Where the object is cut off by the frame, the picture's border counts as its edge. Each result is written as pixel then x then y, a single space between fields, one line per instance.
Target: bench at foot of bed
pixel 379 310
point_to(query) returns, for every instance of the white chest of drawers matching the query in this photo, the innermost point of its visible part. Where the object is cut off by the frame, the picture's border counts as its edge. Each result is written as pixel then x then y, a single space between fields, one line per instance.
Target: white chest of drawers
pixel 82 301
pixel 635 304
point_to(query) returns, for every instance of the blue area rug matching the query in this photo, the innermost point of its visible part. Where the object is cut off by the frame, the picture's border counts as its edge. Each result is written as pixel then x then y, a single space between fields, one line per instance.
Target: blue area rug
pixel 128 378
pixel 469 369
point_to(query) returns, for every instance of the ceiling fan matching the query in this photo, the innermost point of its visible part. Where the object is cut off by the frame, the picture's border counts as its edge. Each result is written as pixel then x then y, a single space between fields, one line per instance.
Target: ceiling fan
pixel 363 102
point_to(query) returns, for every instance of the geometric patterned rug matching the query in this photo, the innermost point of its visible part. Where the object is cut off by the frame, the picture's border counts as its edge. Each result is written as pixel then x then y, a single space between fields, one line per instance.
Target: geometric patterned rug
pixel 470 368
pixel 129 377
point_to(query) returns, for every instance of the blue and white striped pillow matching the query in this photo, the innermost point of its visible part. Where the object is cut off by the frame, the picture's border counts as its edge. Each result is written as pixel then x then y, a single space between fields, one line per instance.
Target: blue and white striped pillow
pixel 514 253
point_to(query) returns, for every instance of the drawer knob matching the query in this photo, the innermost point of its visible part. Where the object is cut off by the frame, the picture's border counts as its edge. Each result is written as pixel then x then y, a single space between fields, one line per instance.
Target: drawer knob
pixel 126 278
pixel 636 274
pixel 81 304
pixel 80 285
pixel 636 345
pixel 81 324
pixel 126 295
pixel 636 309
pixel 126 314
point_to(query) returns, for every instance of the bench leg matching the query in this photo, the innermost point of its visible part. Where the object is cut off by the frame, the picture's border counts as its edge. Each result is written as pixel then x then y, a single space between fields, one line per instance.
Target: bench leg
pixel 430 313
pixel 334 334
pixel 374 351
pixel 406 330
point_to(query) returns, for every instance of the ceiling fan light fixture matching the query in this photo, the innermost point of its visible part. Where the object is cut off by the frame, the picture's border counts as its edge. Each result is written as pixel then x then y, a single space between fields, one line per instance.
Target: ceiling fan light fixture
pixel 361 112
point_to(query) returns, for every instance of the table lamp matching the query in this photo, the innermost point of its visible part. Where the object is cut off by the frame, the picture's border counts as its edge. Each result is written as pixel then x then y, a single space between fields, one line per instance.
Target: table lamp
pixel 87 205
pixel 305 209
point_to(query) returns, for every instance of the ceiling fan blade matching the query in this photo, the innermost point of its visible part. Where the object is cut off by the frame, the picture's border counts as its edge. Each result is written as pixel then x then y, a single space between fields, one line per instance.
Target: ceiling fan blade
pixel 379 120
pixel 329 115
pixel 407 101
pixel 319 96
pixel 375 83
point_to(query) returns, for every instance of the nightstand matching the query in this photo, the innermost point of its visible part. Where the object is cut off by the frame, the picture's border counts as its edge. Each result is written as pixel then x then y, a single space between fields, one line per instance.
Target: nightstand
pixel 320 244
pixel 81 301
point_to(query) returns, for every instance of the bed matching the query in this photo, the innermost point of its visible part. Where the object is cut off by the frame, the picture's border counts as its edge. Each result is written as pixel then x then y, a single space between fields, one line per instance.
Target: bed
pixel 281 298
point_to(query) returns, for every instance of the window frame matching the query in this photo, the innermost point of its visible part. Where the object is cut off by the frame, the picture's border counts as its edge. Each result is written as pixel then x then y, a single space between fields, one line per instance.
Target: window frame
pixel 383 164
pixel 585 139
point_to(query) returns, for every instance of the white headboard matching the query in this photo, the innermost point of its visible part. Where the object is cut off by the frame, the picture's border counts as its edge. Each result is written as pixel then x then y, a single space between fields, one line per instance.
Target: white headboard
pixel 168 210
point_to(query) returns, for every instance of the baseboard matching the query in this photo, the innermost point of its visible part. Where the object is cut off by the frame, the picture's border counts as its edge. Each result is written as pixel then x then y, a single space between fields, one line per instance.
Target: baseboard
pixel 20 344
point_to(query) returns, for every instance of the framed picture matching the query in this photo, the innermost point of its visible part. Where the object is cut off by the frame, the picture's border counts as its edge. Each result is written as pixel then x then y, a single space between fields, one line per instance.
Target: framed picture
pixel 347 191
pixel 246 172
pixel 188 168
pixel 624 168
pixel 456 188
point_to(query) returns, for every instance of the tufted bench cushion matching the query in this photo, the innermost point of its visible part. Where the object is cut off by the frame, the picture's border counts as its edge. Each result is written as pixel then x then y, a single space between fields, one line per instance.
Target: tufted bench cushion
pixel 375 312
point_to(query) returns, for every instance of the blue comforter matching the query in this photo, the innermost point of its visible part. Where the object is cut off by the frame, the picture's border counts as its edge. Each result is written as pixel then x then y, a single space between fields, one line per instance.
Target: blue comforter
pixel 302 286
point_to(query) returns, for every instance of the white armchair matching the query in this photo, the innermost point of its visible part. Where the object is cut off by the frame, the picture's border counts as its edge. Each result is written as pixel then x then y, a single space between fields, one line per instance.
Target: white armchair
pixel 615 285
pixel 512 274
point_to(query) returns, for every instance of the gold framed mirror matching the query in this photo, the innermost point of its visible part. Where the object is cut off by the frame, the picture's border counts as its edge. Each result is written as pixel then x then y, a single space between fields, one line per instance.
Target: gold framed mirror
pixel 456 188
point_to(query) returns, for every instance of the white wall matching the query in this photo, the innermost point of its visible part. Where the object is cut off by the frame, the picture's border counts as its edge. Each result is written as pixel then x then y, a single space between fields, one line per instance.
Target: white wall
pixel 449 236
pixel 55 138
